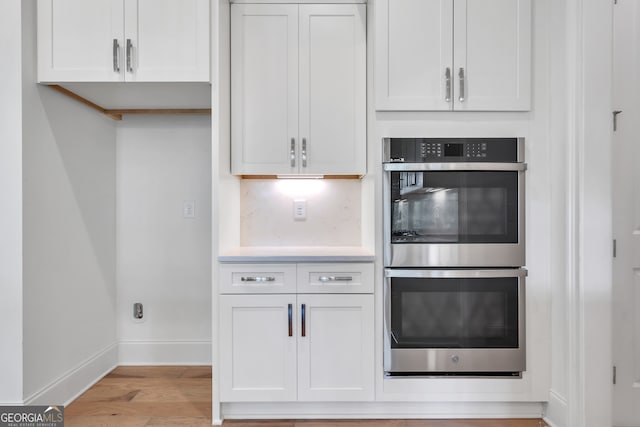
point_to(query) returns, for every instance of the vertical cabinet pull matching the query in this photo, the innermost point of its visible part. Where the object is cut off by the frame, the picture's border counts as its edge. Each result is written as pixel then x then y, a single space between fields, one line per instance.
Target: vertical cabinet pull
pixel 461 76
pixel 290 310
pixel 304 152
pixel 116 56
pixel 293 152
pixel 447 79
pixel 303 309
pixel 129 53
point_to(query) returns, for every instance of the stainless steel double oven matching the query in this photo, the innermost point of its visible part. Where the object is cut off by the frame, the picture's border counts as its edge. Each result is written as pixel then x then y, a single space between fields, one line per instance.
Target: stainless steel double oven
pixel 454 245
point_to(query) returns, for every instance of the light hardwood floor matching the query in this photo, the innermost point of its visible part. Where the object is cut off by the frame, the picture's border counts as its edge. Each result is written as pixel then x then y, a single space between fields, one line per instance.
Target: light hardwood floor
pixel 137 396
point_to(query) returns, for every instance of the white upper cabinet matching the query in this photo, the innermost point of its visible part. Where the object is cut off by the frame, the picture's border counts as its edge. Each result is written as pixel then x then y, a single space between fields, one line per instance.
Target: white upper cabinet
pixel 441 55
pixel 298 88
pixel 123 40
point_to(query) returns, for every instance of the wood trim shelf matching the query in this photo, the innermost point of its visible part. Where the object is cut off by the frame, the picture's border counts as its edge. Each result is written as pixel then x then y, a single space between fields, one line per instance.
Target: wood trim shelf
pixel 116 114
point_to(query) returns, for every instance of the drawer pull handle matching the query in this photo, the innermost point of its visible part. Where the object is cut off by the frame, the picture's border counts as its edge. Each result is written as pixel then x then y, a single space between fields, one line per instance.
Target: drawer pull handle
pixel 303 312
pixel 325 279
pixel 258 279
pixel 290 316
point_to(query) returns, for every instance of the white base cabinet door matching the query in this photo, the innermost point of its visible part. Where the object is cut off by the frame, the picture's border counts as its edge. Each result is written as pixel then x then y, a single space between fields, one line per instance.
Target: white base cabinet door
pixel 335 348
pixel 258 348
pixel 320 349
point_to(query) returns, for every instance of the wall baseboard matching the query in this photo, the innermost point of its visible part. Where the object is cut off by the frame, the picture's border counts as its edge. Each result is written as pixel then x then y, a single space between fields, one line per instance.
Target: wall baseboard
pixel 151 353
pixel 76 381
pixel 556 411
pixel 388 410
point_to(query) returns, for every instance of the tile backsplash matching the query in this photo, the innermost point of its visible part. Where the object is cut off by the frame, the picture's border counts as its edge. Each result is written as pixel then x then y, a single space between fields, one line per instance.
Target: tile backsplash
pixel 333 212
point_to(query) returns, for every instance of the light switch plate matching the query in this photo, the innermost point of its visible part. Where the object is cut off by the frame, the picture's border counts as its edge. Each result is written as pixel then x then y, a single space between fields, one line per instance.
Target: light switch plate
pixel 189 209
pixel 299 209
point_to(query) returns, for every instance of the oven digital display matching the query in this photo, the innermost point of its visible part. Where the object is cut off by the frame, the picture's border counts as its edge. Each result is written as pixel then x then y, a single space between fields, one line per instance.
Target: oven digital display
pixel 453 150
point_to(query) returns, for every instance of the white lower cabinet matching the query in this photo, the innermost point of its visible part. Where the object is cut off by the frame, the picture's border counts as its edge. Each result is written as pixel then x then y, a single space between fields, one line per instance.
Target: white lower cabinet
pixel 257 355
pixel 335 354
pixel 297 347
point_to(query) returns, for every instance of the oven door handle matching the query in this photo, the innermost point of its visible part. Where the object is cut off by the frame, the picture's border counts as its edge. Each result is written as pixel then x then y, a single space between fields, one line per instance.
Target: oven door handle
pixel 455 273
pixel 462 166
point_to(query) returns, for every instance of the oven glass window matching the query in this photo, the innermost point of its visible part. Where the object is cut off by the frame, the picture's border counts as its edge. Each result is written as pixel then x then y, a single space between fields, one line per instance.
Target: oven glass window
pixel 454 207
pixel 454 313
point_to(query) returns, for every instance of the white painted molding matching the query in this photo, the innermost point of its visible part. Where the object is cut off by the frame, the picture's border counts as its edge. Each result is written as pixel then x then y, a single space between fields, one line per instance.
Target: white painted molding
pixel 556 411
pixel 136 353
pixel 76 381
pixel 589 236
pixel 386 410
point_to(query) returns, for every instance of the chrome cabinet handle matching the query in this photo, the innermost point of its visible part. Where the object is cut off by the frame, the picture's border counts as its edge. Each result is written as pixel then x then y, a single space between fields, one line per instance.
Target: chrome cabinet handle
pixel 258 279
pixel 116 56
pixel 304 152
pixel 293 152
pixel 303 309
pixel 461 76
pixel 290 314
pixel 447 78
pixel 129 59
pixel 325 279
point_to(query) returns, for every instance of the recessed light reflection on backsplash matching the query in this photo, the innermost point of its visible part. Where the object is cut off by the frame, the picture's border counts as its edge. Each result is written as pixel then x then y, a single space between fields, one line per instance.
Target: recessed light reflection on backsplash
pixel 300 187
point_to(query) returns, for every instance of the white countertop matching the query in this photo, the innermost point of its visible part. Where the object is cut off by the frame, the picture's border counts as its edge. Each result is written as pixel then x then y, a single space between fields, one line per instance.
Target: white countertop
pixel 297 254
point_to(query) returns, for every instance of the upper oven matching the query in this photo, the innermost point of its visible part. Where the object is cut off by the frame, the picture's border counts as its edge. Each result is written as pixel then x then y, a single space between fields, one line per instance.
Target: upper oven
pixel 454 202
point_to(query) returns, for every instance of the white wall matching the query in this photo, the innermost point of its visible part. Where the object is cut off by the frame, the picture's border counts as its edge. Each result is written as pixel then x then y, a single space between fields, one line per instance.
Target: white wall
pixel 164 259
pixel 10 204
pixel 69 238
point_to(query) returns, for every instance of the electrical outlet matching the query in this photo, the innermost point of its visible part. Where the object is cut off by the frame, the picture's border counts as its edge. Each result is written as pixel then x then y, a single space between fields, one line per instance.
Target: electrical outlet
pixel 299 209
pixel 138 313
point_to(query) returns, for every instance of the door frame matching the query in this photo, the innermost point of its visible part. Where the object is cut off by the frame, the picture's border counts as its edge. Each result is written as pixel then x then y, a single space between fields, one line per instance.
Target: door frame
pixel 585 141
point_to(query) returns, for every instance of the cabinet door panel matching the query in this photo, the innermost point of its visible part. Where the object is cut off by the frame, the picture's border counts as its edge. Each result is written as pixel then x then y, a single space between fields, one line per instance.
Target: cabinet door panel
pixel 264 83
pixel 257 354
pixel 335 357
pixel 493 45
pixel 332 110
pixel 75 40
pixel 414 42
pixel 170 40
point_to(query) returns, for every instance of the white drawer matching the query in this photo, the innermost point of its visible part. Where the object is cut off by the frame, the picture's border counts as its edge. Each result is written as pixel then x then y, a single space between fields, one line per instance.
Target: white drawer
pixel 348 278
pixel 257 278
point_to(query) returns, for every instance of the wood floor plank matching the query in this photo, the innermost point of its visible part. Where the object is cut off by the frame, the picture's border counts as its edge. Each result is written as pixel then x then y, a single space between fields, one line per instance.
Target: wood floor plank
pixel 147 396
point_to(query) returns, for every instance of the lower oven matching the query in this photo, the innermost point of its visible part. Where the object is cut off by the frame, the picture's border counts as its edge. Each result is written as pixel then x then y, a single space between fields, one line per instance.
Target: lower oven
pixel 454 322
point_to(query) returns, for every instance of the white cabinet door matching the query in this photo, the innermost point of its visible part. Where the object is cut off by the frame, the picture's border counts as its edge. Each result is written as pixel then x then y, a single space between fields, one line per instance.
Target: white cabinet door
pixel 414 42
pixel 298 85
pixel 336 350
pixel 258 348
pixel 332 114
pixel 123 40
pixel 76 40
pixel 493 48
pixel 472 55
pixel 264 85
pixel 169 40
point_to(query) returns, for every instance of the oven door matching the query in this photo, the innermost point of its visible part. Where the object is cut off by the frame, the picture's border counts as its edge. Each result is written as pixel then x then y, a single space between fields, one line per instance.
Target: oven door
pixel 454 215
pixel 465 322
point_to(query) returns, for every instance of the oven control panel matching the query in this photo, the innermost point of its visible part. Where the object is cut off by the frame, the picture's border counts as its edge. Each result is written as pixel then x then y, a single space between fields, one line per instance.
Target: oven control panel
pixel 442 150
